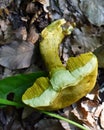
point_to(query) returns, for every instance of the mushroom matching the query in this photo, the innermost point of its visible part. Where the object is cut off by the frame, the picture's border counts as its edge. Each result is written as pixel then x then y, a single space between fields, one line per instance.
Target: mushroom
pixel 65 84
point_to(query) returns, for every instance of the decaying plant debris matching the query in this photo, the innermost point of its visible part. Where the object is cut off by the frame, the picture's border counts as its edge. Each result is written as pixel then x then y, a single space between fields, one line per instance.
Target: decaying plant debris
pixel 21 23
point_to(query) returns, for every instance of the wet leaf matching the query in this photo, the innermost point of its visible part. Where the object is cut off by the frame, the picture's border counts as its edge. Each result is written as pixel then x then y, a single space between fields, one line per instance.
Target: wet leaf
pixel 16 55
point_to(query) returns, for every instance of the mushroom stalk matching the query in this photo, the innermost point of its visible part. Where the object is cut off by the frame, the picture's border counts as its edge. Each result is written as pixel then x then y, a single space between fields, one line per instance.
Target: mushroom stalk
pixel 52 38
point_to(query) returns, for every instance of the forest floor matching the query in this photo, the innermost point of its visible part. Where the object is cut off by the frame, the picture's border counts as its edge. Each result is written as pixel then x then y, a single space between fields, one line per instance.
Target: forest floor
pixel 21 23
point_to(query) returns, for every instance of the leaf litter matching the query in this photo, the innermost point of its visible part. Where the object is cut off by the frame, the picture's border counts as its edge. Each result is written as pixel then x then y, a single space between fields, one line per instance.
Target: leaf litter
pixel 16 55
pixel 21 24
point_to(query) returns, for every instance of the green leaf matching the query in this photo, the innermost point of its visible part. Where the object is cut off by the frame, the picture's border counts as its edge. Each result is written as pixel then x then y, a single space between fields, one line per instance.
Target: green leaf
pixel 17 85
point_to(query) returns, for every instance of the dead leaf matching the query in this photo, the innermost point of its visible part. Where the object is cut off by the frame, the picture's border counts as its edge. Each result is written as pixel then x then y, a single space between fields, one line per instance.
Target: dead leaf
pixel 49 124
pixel 28 112
pixel 65 125
pixel 84 113
pixel 94 10
pixel 101 84
pixel 88 110
pixel 102 119
pixel 16 125
pixel 40 1
pixel 33 36
pixel 46 5
pixel 30 8
pixel 90 121
pixel 3 25
pixel 98 111
pixel 83 42
pixel 9 119
pixel 99 52
pixel 5 3
pixel 6 32
pixel 65 50
pixel 16 55
pixel 21 33
pixel 89 105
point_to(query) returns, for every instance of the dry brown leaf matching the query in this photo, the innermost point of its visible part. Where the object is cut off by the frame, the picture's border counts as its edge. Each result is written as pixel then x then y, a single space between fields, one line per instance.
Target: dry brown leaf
pixel 21 33
pixel 88 110
pixel 85 115
pixel 89 105
pixel 30 8
pixel 102 119
pixel 40 1
pixel 98 111
pixel 33 36
pixel 90 121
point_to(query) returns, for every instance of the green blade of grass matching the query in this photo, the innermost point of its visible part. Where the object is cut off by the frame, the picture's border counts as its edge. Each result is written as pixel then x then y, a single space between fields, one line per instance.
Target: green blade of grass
pixel 64 119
